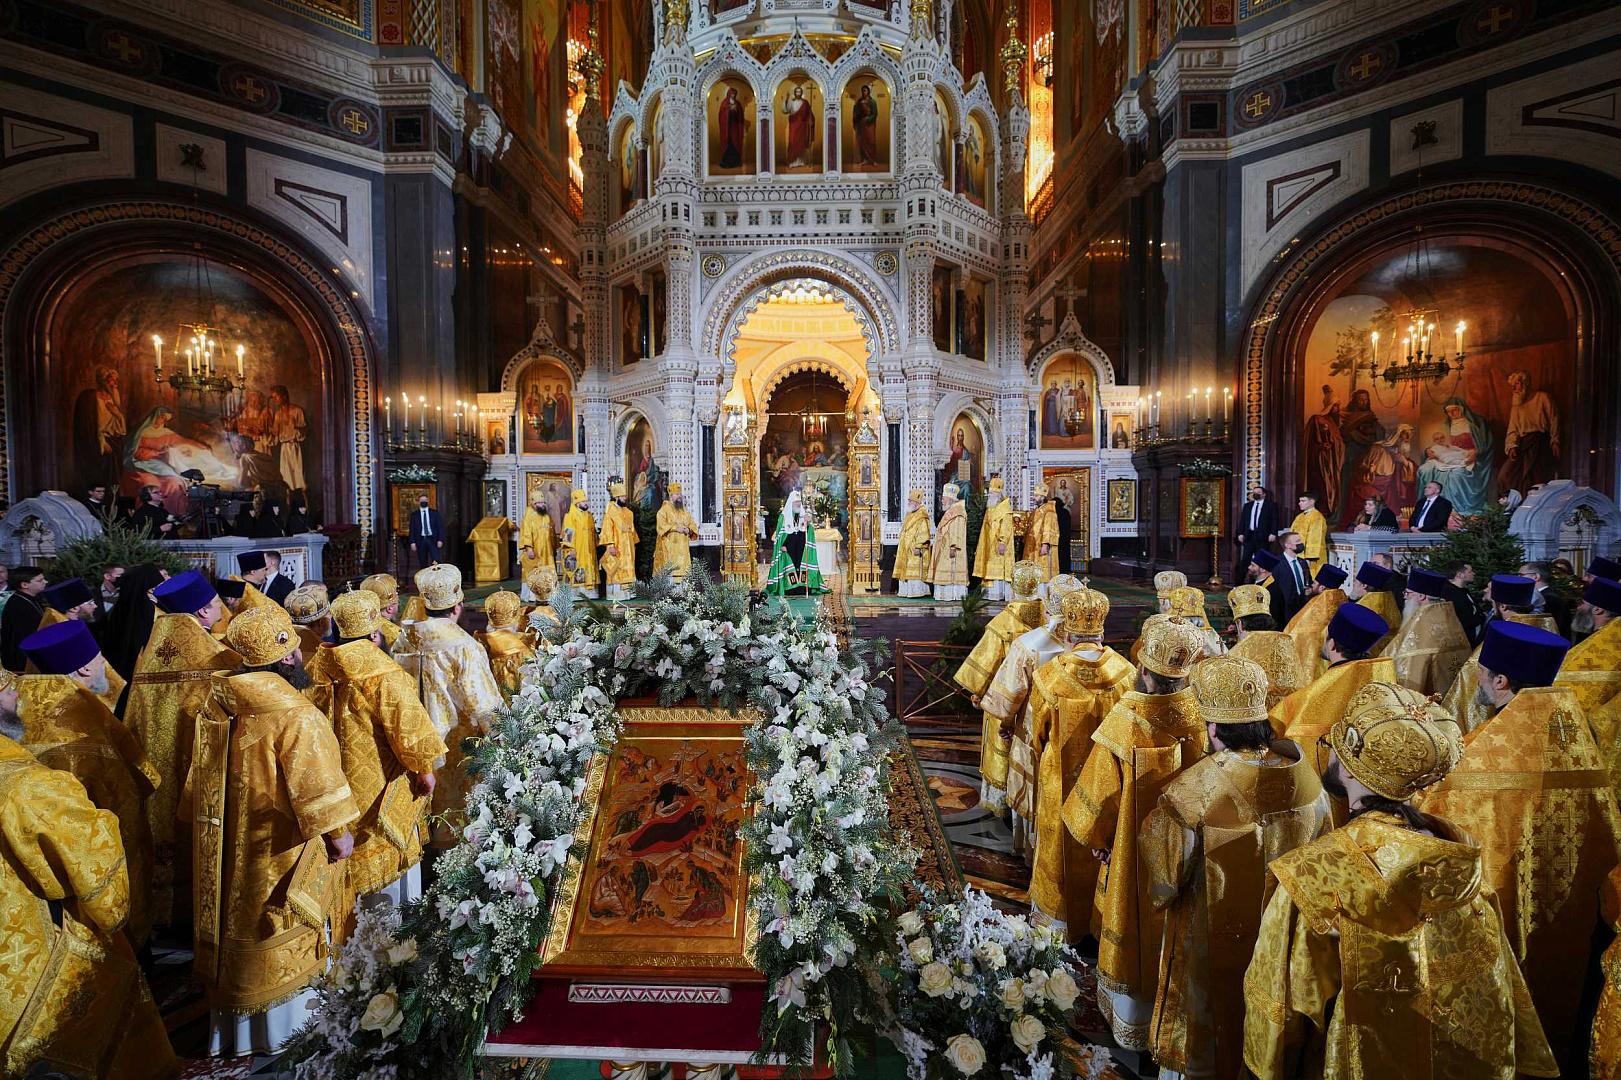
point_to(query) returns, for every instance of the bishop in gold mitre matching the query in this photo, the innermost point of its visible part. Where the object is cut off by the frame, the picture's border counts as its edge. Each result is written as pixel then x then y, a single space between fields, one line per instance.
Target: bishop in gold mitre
pixel 1381 952
pixel 73 997
pixel 912 549
pixel 542 582
pixel 997 550
pixel 454 681
pixel 389 745
pixel 1532 786
pixel 948 558
pixel 311 612
pixel 387 591
pixel 507 643
pixel 1313 530
pixel 676 531
pixel 1165 583
pixel 1021 615
pixel 1187 606
pixel 1309 626
pixel 72 600
pixel 1511 597
pixel 67 726
pixel 168 690
pixel 1592 669
pixel 1009 694
pixel 1260 640
pixel 271 810
pixel 1041 534
pixel 537 537
pixel 577 547
pixel 1431 645
pixel 618 539
pixel 1069 697
pixel 1372 589
pixel 1204 851
pixel 1152 734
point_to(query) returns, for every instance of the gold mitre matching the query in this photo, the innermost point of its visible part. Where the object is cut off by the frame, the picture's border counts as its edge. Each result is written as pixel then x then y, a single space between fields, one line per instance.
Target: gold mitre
pixel 8 679
pixel 440 586
pixel 1058 588
pixel 1250 600
pixel 616 488
pixel 916 495
pixel 357 614
pixel 578 497
pixel 1171 648
pixel 1040 491
pixel 1231 690
pixel 542 581
pixel 1166 580
pixel 1084 612
pixel 1395 740
pixel 675 488
pixel 502 609
pixel 997 485
pixel 1187 602
pixel 308 603
pixel 262 637
pixel 384 587
pixel 1026 579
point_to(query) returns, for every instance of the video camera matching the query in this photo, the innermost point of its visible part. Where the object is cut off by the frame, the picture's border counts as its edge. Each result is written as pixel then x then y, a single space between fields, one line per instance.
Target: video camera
pixel 206 500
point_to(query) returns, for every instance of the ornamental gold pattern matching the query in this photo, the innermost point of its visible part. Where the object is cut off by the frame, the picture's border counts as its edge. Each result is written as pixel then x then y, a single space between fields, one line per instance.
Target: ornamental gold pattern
pixel 1230 690
pixel 1395 740
pixel 1171 648
pixel 357 614
pixel 440 586
pixel 1084 611
pixel 262 637
pixel 1250 600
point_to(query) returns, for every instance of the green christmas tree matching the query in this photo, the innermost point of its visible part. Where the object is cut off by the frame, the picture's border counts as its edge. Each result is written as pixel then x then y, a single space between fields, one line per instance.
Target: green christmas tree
pixel 1484 543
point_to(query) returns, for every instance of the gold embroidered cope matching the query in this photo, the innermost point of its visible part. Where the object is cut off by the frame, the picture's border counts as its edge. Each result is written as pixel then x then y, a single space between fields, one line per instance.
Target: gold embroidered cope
pixel 975 674
pixel 912 549
pixel 676 531
pixel 1429 648
pixel 948 561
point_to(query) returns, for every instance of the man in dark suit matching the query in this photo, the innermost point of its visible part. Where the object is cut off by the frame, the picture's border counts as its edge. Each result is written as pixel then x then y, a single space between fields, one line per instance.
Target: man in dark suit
pixel 427 533
pixel 1257 526
pixel 1459 575
pixel 278 586
pixel 1063 535
pixel 1548 601
pixel 1432 511
pixel 23 611
pixel 1292 578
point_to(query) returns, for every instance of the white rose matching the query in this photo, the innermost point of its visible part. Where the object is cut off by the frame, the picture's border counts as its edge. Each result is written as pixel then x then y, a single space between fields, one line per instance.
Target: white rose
pixel 1019 926
pixel 911 924
pixel 1027 1032
pixel 935 979
pixel 1062 989
pixel 403 952
pixel 383 1014
pixel 990 953
pixel 921 950
pixel 966 1054
pixel 1012 994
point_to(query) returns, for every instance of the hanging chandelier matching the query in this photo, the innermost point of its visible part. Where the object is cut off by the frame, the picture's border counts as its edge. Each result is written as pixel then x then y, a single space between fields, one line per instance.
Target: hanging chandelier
pixel 1424 354
pixel 200 350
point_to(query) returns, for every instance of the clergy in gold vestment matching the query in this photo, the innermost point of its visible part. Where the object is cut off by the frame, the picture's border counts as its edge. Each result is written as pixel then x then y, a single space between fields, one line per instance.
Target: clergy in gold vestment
pixel 1511 598
pixel 168 690
pixel 542 582
pixel 1187 606
pixel 1071 695
pixel 387 591
pixel 454 681
pixel 67 727
pixel 389 747
pixel 1041 534
pixel 1604 1051
pixel 72 996
pixel 676 532
pixel 912 549
pixel 1260 641
pixel 311 612
pixel 1022 614
pixel 1371 589
pixel 71 601
pixel 997 549
pixel 1592 668
pixel 1381 952
pixel 618 539
pixel 270 807
pixel 1313 529
pixel 537 539
pixel 1166 582
pixel 1431 645
pixel 1151 735
pixel 577 547
pixel 1006 700
pixel 1310 624
pixel 1204 851
pixel 1533 788
pixel 508 645
pixel 948 559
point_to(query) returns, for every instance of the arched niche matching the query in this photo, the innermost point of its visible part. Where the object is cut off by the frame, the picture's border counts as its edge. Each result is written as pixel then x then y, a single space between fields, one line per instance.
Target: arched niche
pixel 867 123
pixel 1066 366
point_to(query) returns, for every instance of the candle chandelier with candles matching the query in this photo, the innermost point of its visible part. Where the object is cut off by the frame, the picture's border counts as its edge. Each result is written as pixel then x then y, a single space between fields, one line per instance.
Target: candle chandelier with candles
pixel 1156 427
pixel 199 353
pixel 430 430
pixel 1421 356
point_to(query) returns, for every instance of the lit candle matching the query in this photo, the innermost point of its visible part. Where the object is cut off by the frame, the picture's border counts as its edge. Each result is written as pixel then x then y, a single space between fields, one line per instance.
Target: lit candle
pixel 422 421
pixel 1207 392
pixel 1459 337
pixel 240 350
pixel 157 343
pixel 1227 400
pixel 1157 395
pixel 439 422
pixel 1140 414
pixel 188 362
pixel 1404 349
pixel 1375 338
pixel 405 399
pixel 1429 339
pixel 388 418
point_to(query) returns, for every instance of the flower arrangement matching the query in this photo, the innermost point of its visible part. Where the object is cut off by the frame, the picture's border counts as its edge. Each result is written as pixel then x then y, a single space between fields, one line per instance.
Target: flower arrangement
pixel 413 474
pixel 982 993
pixel 820 846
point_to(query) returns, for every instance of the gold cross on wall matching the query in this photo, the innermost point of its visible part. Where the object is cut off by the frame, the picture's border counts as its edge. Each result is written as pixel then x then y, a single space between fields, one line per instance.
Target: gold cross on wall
pixel 126 48
pixel 1494 19
pixel 250 88
pixel 1258 104
pixel 356 122
pixel 1366 65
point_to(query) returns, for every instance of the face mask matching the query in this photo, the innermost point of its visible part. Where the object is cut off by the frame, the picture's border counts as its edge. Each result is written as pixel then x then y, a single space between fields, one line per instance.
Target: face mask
pixel 1256 497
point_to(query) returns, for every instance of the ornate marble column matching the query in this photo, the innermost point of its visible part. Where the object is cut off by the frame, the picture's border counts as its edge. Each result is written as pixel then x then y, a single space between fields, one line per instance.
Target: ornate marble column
pixel 920 191
pixel 592 395
pixel 676 191
pixel 1012 398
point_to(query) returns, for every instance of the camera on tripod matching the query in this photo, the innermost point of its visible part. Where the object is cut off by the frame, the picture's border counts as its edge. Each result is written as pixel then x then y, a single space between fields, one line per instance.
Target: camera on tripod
pixel 206 501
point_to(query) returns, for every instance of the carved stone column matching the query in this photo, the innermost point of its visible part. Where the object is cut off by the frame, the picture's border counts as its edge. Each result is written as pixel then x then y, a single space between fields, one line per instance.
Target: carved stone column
pixel 592 129
pixel 1012 400
pixel 920 193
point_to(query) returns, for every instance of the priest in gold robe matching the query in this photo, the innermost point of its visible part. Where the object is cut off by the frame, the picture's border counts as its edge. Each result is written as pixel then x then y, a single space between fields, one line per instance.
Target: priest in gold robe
pixel 676 532
pixel 311 611
pixel 1313 529
pixel 1147 740
pixel 1187 606
pixel 271 809
pixel 1532 786
pixel 1166 582
pixel 618 539
pixel 1204 851
pixel 390 750
pixel 67 726
pixel 73 998
pixel 1372 589
pixel 1592 668
pixel 1020 616
pixel 454 681
pixel 169 688
pixel 387 591
pixel 537 538
pixel 1041 534
pixel 1604 1049
pixel 948 557
pixel 1511 597
pixel 1310 624
pixel 997 549
pixel 1070 696
pixel 1007 697
pixel 72 600
pixel 912 549
pixel 542 582
pixel 1381 951
pixel 1431 645
pixel 1260 640
pixel 577 547
pixel 506 641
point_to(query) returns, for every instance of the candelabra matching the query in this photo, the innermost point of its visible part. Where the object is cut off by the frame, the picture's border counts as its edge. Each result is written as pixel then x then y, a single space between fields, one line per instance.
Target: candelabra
pixel 199 344
pixel 462 436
